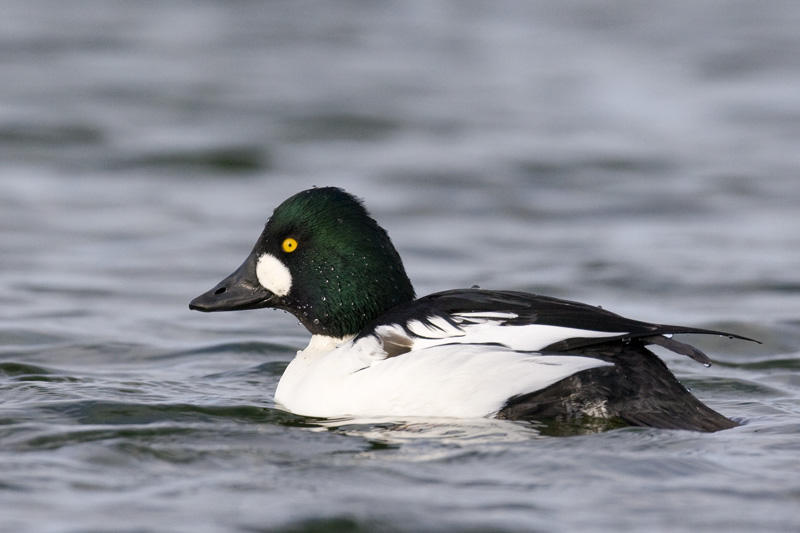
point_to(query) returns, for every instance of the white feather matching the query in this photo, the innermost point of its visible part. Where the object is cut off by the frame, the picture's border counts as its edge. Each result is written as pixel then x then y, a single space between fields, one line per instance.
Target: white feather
pixel 436 327
pixel 525 337
pixel 450 380
pixel 273 275
pixel 508 315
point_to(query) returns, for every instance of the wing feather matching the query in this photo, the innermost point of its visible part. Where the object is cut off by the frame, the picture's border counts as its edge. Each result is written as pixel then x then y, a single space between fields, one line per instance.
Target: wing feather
pixel 529 323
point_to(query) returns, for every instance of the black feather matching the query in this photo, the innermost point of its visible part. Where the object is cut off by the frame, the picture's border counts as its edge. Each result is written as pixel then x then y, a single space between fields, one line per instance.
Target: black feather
pixel 536 309
pixel 637 388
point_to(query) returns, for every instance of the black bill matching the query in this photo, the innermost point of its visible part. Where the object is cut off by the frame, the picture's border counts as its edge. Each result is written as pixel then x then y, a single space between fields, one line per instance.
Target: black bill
pixel 241 290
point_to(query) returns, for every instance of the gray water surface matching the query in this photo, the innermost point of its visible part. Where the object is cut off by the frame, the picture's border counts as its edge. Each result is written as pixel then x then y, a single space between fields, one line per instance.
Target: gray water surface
pixel 639 157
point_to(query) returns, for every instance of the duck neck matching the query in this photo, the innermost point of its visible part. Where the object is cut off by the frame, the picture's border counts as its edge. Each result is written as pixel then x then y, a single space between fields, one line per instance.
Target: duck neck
pixel 322 344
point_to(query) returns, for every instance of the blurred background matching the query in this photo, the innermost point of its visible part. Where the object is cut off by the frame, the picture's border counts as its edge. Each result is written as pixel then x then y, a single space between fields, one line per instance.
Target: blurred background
pixel 593 151
pixel 639 156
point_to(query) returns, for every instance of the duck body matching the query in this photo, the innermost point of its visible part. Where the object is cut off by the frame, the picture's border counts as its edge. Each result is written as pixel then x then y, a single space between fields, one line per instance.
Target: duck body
pixel 376 351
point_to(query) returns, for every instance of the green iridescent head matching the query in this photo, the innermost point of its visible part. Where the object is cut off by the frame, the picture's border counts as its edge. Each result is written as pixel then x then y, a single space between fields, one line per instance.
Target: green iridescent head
pixel 323 258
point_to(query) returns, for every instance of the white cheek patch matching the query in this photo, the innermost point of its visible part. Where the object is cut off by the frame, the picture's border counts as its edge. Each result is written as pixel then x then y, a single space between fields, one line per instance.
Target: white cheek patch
pixel 273 275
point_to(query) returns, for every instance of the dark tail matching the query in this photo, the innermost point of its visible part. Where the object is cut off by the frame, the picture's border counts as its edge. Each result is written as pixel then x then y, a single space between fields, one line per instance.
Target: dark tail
pixel 637 390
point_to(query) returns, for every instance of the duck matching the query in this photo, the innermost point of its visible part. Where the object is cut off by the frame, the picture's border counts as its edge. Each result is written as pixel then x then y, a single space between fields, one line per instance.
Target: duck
pixel 376 350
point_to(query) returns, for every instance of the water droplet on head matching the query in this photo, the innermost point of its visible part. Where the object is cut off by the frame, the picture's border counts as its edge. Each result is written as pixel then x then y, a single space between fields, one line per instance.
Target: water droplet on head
pixel 316 321
pixel 475 287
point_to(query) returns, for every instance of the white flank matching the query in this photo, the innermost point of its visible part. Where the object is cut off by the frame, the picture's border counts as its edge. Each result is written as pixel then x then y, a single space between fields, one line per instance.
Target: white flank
pixel 273 275
pixel 449 380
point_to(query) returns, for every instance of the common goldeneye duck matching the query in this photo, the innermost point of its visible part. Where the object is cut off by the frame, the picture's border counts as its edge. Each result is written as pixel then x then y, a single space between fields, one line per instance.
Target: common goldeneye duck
pixel 375 350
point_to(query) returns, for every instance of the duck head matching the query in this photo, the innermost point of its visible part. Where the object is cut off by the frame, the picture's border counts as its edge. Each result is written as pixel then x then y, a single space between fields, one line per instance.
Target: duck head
pixel 322 258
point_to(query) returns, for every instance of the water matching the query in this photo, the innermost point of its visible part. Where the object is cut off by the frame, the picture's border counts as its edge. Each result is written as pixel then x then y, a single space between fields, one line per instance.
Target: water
pixel 642 158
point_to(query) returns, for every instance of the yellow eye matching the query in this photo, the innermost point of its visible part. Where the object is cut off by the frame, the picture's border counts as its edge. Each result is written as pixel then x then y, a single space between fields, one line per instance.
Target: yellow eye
pixel 289 245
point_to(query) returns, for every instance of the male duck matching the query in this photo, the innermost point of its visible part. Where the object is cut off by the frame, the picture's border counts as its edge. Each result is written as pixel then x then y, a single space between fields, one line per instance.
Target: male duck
pixel 377 351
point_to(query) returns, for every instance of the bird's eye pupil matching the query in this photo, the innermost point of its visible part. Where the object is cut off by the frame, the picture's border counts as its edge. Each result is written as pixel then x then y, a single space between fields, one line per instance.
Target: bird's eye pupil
pixel 289 245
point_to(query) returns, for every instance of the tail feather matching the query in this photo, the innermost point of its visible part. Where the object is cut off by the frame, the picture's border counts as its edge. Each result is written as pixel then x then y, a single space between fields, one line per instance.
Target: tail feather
pixel 638 390
pixel 679 347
